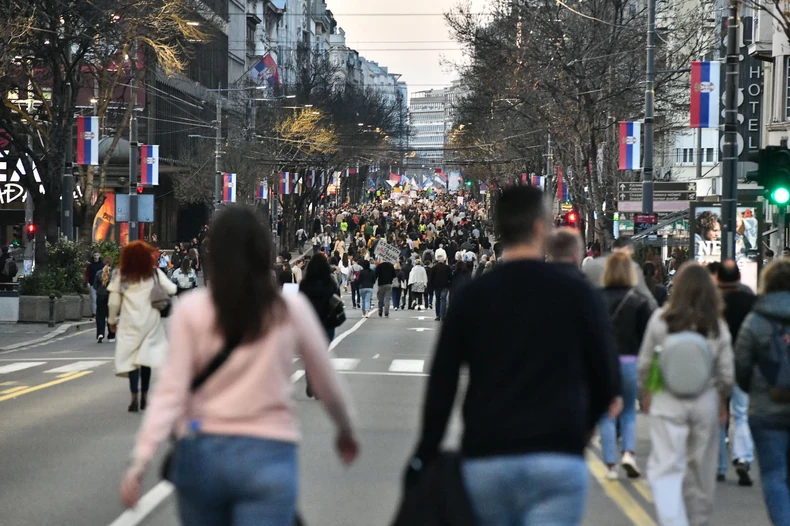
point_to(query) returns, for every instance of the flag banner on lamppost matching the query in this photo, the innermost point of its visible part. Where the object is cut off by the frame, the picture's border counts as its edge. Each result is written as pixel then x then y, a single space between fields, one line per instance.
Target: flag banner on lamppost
pixel 87 141
pixel 228 188
pixel 563 193
pixel 705 97
pixel 263 190
pixel 149 165
pixel 537 180
pixel 296 185
pixel 311 179
pixel 285 183
pixel 630 142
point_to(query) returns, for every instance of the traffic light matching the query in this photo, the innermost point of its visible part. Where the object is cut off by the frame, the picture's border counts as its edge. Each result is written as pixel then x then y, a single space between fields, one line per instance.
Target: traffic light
pixel 140 189
pixel 31 231
pixel 468 183
pixel 773 173
pixel 17 236
pixel 570 219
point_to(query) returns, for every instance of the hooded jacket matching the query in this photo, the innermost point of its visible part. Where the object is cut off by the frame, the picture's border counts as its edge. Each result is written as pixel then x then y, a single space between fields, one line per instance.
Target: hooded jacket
pixel 753 344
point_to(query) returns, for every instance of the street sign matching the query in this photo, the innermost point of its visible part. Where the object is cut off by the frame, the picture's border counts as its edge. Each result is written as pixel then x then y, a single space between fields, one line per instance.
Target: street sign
pixel 387 252
pixel 662 196
pixel 660 186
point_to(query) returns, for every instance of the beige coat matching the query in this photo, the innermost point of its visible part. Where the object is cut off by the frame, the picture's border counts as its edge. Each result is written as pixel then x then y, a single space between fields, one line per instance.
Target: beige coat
pixel 141 339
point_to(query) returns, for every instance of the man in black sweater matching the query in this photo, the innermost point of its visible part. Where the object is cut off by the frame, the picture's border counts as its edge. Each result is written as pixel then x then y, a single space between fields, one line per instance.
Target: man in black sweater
pixel 441 277
pixel 738 302
pixel 540 377
pixel 385 273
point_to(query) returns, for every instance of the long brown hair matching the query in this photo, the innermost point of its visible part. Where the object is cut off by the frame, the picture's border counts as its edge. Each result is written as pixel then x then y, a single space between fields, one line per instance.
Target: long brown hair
pixel 695 303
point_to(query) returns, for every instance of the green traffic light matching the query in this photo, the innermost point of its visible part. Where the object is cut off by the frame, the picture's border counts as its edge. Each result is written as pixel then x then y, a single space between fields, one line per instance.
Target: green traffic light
pixel 780 196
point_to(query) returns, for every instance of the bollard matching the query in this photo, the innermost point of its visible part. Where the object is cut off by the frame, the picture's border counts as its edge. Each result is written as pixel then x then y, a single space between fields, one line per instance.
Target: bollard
pixel 51 310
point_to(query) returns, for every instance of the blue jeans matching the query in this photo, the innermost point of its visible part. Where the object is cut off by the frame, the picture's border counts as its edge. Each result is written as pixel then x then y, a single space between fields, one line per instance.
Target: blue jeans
pixel 367 296
pixel 742 444
pixel 549 489
pixel 441 303
pixel 608 427
pixel 773 448
pixel 232 480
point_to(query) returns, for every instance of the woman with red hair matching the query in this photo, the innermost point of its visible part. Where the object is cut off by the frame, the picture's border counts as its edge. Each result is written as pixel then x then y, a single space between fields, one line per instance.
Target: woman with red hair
pixel 141 342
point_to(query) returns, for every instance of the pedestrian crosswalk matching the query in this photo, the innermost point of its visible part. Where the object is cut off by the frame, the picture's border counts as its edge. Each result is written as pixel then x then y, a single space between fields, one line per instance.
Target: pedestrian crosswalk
pixel 373 366
pixel 56 366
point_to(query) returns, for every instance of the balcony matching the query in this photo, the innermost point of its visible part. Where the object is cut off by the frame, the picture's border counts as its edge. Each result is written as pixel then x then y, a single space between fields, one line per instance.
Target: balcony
pixel 763 35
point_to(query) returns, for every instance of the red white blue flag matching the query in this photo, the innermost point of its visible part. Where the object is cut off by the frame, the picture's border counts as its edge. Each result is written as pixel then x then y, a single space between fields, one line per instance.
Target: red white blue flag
pixel 537 180
pixel 228 188
pixel 88 141
pixel 311 179
pixel 705 83
pixel 285 183
pixel 149 165
pixel 563 192
pixel 630 141
pixel 263 190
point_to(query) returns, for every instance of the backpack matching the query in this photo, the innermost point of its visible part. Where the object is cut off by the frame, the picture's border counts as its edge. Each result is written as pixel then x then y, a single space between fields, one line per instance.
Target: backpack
pixel 10 269
pixel 776 366
pixel 685 360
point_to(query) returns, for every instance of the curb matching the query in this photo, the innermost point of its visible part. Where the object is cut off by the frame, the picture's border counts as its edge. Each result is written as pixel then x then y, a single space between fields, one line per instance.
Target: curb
pixel 62 330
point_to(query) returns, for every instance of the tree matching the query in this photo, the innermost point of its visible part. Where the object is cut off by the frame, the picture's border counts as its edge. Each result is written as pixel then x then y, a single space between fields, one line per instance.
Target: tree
pixel 573 69
pixel 61 48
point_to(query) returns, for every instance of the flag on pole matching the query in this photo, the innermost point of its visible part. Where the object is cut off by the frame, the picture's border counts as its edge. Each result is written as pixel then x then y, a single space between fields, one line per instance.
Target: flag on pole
pixel 563 194
pixel 395 178
pixel 149 165
pixel 630 146
pixel 263 190
pixel 537 181
pixel 311 179
pixel 323 179
pixel 285 183
pixel 87 141
pixel 228 188
pixel 705 84
pixel 296 183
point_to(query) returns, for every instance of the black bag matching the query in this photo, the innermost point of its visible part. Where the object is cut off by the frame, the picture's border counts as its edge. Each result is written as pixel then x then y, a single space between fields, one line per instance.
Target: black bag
pixel 438 498
pixel 197 383
pixel 336 315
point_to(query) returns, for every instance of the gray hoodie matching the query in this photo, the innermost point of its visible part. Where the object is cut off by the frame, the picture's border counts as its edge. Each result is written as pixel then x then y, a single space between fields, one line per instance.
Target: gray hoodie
pixel 753 344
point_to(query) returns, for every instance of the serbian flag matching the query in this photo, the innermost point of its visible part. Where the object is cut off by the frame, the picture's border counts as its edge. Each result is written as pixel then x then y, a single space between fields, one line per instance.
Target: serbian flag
pixel 322 179
pixel 563 194
pixel 629 146
pixel 296 183
pixel 285 183
pixel 149 165
pixel 228 188
pixel 311 179
pixel 705 84
pixel 263 190
pixel 537 180
pixel 88 141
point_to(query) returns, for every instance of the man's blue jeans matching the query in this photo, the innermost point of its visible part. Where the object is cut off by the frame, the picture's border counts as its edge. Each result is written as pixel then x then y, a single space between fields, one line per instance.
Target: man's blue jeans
pixel 235 481
pixel 742 444
pixel 549 489
pixel 773 449
pixel 441 302
pixel 607 427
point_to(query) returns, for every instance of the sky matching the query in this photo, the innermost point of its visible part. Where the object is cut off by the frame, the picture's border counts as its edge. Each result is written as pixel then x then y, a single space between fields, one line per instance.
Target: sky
pixel 417 46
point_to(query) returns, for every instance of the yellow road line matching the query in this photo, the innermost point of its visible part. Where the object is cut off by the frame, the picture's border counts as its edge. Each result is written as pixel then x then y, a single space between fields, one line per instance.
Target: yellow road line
pixel 13 390
pixel 2 384
pixel 617 492
pixel 35 388
pixel 641 486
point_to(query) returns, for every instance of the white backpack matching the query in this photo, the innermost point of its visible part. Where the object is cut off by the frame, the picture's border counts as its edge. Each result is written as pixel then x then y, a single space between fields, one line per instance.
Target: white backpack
pixel 686 363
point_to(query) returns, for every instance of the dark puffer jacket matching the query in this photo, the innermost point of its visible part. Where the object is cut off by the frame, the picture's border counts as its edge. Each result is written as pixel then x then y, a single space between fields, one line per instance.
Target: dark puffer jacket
pixel 630 323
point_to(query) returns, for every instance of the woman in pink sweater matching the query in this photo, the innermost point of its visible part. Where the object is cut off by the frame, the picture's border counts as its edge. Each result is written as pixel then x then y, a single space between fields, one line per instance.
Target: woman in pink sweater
pixel 235 459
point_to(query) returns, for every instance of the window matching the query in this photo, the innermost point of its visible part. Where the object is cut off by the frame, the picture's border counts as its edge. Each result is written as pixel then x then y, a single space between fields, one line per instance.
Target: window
pixel 677 155
pixel 685 155
pixel 709 155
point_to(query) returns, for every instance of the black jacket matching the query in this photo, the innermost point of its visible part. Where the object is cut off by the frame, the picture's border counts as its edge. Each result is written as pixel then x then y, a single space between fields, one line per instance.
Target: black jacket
pixel 628 327
pixel 367 278
pixel 319 292
pixel 442 276
pixel 738 302
pixel 385 273
pixel 534 384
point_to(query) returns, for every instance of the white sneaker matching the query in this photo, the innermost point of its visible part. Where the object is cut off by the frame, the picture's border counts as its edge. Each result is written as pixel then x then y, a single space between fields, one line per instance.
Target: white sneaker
pixel 611 474
pixel 629 465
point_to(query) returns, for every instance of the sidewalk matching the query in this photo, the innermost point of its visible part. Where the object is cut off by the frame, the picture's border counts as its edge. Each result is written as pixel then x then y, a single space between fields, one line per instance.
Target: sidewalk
pixel 15 335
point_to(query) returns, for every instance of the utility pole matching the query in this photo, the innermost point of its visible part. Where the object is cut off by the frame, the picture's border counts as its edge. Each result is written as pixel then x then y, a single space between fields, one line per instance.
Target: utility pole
pixel 217 153
pixel 549 178
pixel 699 153
pixel 134 230
pixel 647 172
pixel 729 193
pixel 67 195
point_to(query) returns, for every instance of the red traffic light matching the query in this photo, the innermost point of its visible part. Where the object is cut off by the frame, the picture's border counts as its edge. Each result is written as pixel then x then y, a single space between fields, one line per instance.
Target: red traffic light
pixel 31 231
pixel 140 189
pixel 572 217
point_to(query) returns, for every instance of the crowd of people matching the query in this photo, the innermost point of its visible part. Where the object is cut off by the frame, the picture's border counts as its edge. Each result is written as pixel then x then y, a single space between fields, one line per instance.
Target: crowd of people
pixel 568 344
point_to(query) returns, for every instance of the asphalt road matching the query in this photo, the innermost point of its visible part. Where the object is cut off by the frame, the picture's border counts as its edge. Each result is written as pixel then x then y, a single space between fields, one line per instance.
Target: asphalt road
pixel 65 437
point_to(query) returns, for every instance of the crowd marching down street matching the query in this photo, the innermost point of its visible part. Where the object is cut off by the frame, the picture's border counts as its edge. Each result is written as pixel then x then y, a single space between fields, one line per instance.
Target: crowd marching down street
pixel 702 364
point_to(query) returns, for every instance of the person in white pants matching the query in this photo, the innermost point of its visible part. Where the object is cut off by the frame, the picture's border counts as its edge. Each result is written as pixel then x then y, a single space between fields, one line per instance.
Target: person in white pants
pixel 684 432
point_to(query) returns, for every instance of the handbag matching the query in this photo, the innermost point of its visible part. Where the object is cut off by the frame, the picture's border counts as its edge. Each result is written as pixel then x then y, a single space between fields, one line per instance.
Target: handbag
pixel 160 299
pixel 336 315
pixel 196 384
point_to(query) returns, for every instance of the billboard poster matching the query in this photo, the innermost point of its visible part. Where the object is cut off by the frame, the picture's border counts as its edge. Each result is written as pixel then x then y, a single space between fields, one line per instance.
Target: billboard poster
pixel 105 226
pixel 705 233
